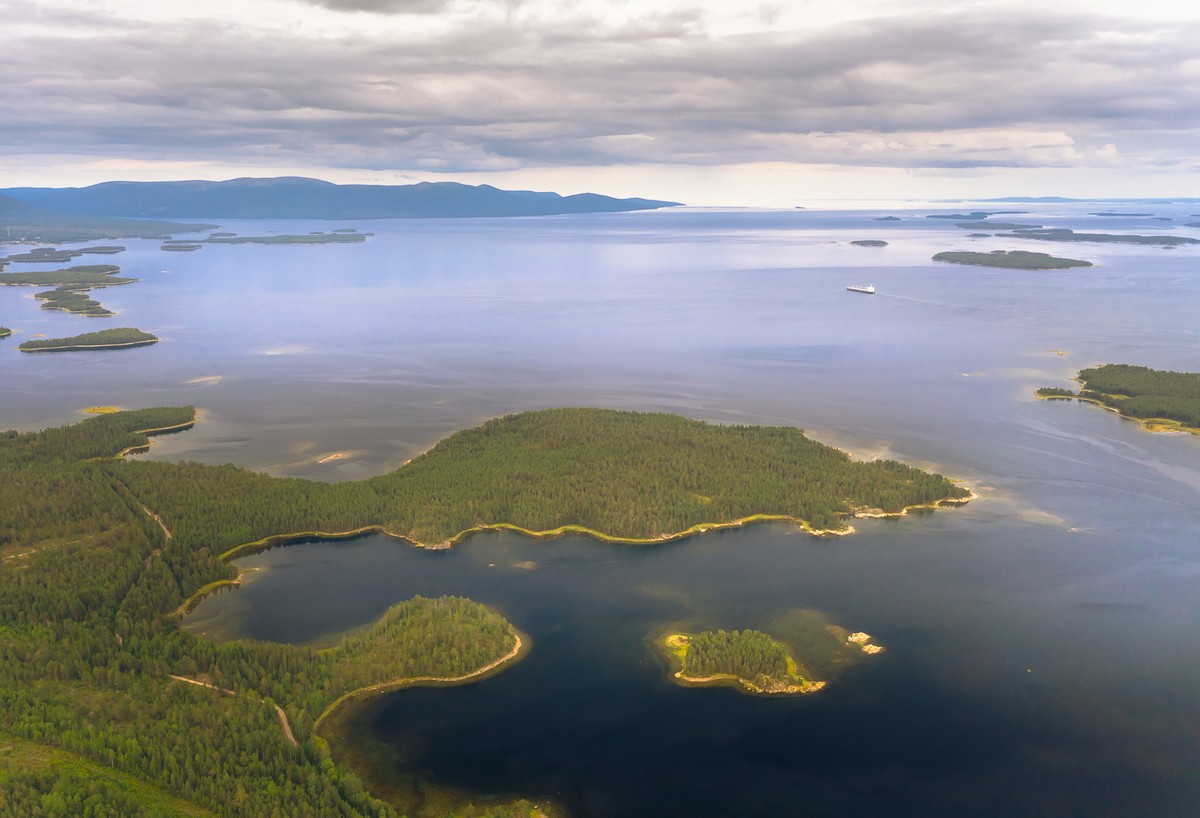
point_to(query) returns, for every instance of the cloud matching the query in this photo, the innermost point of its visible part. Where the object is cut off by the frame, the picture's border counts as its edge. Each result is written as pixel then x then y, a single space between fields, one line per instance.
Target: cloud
pixel 505 91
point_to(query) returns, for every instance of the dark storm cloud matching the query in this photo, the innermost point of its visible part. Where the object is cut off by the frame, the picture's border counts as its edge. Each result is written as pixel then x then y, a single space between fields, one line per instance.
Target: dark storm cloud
pixel 956 90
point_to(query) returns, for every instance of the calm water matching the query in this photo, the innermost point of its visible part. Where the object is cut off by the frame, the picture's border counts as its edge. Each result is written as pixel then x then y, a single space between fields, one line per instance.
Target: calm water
pixel 1044 641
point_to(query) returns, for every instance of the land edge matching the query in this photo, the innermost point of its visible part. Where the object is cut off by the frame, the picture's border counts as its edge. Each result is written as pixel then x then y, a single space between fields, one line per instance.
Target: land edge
pixel 150 433
pixel 1082 263
pixel 363 694
pixel 276 540
pixel 1152 425
pixel 670 642
pixel 74 347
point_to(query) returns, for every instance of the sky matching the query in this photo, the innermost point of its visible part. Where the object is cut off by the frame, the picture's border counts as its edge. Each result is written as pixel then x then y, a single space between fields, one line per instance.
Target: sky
pixel 708 102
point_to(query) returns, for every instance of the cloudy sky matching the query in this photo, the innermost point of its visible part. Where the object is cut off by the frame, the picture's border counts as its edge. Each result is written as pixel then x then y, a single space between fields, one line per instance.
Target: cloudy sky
pixel 705 101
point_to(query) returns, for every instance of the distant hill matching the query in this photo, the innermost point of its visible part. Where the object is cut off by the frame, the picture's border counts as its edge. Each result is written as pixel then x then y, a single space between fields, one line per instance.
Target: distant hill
pixel 301 198
pixel 24 221
pixel 1054 199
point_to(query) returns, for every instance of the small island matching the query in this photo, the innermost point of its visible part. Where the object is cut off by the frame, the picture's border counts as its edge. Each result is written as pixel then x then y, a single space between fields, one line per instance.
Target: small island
pixel 43 255
pixel 87 275
pixel 5 332
pixel 341 236
pixel 74 301
pixel 803 652
pixel 887 218
pixel 1064 234
pixel 181 246
pixel 869 243
pixel 1011 259
pixel 118 338
pixel 986 225
pixel 1159 400
pixel 975 215
pixel 750 660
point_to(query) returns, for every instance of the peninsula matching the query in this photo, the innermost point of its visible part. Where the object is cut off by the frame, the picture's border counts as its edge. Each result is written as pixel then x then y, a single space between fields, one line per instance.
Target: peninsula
pixel 117 338
pixel 1159 400
pixel 26 222
pixel 1010 259
pixel 103 553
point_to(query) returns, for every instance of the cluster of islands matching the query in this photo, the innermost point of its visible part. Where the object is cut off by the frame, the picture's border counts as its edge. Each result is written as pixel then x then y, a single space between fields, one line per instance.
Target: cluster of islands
pixel 102 555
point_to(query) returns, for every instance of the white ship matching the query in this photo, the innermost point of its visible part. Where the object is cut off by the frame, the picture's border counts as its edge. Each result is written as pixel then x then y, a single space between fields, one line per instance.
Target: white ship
pixel 869 289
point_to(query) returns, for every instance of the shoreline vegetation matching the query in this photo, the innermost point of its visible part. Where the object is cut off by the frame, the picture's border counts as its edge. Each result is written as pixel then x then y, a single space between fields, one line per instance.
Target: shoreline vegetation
pixel 117 338
pixel 524 461
pixel 800 653
pixel 1158 400
pixel 750 661
pixel 99 552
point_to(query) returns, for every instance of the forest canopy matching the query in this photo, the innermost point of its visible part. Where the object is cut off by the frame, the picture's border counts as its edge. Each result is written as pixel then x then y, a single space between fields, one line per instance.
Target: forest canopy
pixel 96 555
pixel 1140 393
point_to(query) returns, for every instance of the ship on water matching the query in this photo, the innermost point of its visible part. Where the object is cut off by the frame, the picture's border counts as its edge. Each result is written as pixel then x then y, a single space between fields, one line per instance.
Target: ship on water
pixel 869 289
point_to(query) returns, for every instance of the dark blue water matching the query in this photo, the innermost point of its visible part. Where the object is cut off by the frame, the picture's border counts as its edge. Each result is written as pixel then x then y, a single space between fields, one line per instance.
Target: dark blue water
pixel 1043 642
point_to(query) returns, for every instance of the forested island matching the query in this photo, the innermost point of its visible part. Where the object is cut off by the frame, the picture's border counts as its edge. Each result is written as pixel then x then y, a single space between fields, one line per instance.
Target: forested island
pixel 869 243
pixel 802 652
pixel 98 555
pixel 334 237
pixel 5 332
pixel 1063 234
pixel 73 301
pixel 1159 400
pixel 1010 259
pixel 117 338
pixel 749 660
pixel 86 275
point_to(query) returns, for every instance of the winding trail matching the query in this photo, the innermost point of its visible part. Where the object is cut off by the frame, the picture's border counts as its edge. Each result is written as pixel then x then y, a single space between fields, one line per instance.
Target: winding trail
pixel 153 516
pixel 283 719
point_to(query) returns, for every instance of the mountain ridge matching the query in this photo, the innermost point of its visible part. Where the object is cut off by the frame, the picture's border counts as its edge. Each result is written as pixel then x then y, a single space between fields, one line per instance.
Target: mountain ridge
pixel 301 197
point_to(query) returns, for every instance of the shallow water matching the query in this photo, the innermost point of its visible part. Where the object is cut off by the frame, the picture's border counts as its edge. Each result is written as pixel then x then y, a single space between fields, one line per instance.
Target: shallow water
pixel 1042 641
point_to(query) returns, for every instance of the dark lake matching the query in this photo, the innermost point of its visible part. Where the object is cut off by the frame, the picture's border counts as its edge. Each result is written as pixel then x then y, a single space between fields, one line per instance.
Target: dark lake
pixel 1043 642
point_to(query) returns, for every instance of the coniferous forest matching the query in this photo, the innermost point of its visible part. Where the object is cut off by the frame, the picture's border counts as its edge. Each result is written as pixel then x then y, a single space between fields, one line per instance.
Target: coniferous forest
pixel 1139 392
pixel 104 697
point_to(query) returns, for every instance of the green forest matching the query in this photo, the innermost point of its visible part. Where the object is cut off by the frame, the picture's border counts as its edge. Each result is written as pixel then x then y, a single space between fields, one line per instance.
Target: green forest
pixel 748 654
pixel 5 332
pixel 73 301
pixel 97 554
pixel 1011 259
pixel 83 275
pixel 1139 392
pixel 121 336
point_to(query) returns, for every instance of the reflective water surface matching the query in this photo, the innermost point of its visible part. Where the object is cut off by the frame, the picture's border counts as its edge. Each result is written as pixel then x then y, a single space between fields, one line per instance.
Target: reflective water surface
pixel 1043 642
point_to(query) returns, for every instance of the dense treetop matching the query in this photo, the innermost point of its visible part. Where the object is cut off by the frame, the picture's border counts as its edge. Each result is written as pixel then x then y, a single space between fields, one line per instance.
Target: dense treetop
pixel 1010 259
pixel 96 553
pixel 118 337
pixel 1139 392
